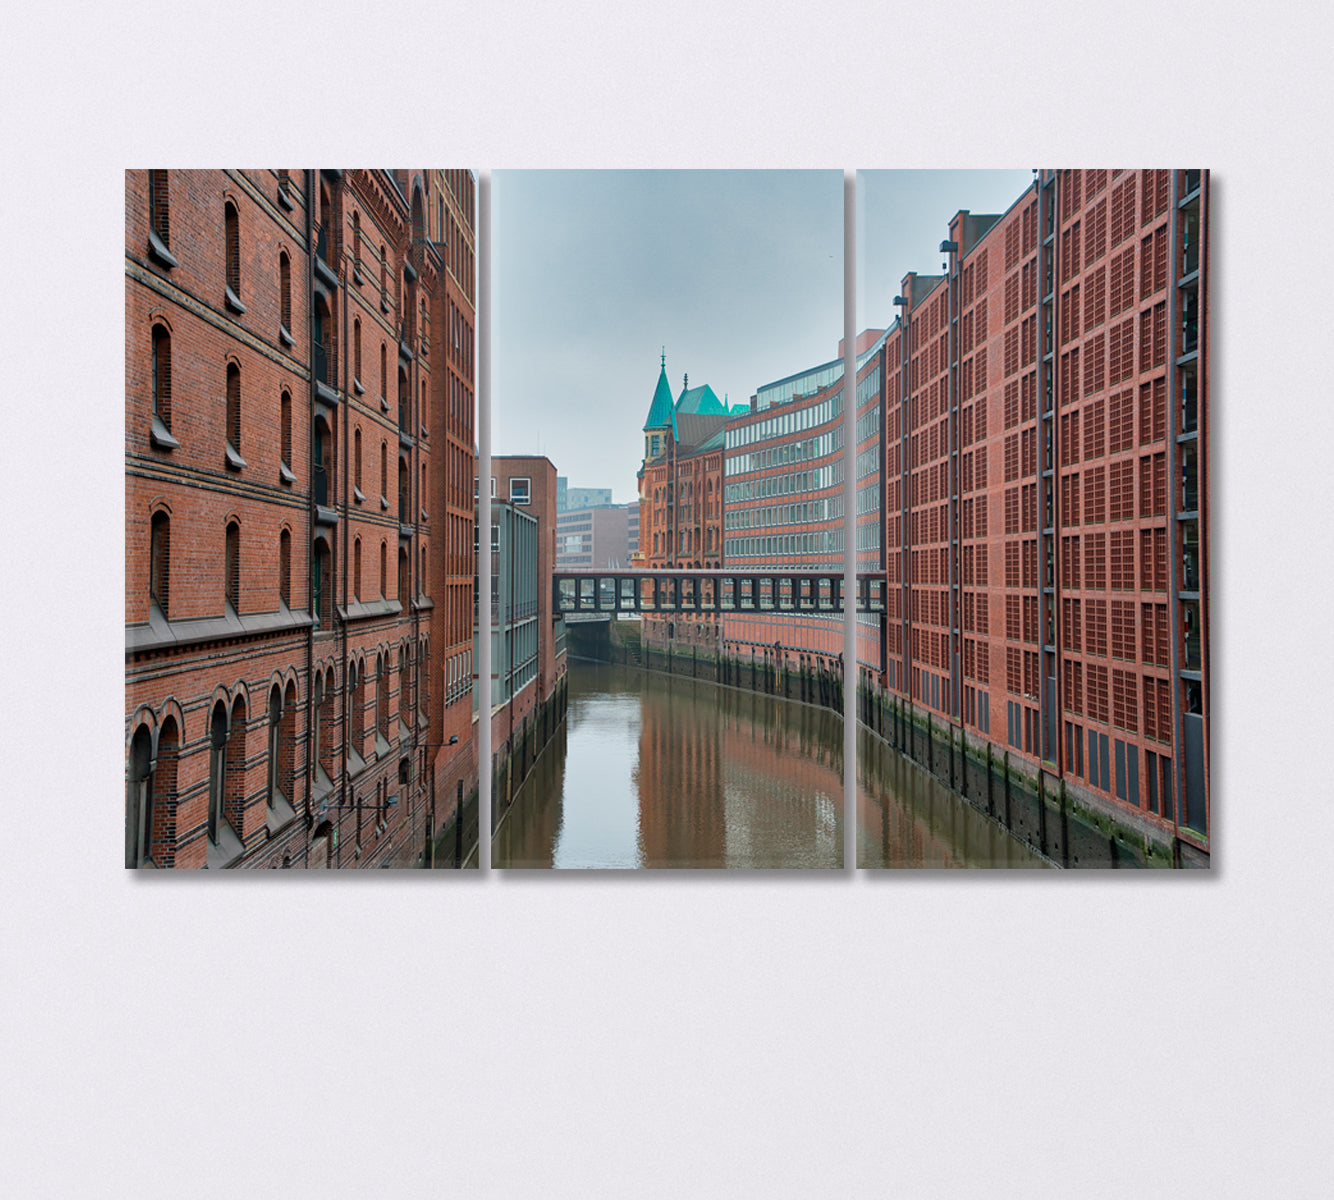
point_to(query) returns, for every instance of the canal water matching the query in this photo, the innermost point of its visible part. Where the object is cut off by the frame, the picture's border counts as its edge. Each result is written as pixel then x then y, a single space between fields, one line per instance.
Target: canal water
pixel 653 770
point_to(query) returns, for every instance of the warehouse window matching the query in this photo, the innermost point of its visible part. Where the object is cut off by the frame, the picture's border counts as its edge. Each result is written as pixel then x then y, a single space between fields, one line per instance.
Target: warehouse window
pixel 285 567
pixel 159 557
pixel 159 219
pixel 231 583
pixel 217 770
pixel 285 296
pixel 160 428
pixel 234 459
pixel 520 491
pixel 232 228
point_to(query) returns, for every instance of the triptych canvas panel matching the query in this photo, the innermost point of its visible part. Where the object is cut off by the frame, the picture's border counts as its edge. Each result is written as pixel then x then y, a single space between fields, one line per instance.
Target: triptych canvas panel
pixel 525 519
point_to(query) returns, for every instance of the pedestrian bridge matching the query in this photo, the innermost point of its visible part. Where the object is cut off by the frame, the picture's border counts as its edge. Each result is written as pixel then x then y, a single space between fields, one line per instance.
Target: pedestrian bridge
pixel 711 591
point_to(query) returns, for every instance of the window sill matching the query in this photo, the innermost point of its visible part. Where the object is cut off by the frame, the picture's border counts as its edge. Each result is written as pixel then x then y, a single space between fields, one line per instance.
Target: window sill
pixel 358 610
pixel 405 351
pixel 161 437
pixel 325 273
pixel 234 460
pixel 409 272
pixel 355 763
pixel 226 850
pixel 233 301
pixel 280 814
pixel 161 634
pixel 358 387
pixel 325 515
pixel 285 199
pixel 382 747
pixel 357 496
pixel 286 474
pixel 384 503
pixel 384 404
pixel 286 338
pixel 384 304
pixel 157 250
pixel 425 518
pixel 357 276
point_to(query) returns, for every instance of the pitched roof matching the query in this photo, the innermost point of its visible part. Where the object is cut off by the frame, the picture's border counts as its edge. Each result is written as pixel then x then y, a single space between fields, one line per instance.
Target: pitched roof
pixel 700 400
pixel 660 411
pixel 697 430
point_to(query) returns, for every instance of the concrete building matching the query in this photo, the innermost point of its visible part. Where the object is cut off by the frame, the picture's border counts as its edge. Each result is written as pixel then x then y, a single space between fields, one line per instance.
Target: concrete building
pixel 294 689
pixel 595 536
pixel 528 658
pixel 569 499
pixel 1044 528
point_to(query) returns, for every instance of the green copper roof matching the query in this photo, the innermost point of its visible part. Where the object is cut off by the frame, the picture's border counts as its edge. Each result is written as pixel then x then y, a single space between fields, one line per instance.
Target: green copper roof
pixel 660 411
pixel 700 400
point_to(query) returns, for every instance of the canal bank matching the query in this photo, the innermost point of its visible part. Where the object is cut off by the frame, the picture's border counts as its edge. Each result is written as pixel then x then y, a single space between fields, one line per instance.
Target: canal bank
pixel 1034 805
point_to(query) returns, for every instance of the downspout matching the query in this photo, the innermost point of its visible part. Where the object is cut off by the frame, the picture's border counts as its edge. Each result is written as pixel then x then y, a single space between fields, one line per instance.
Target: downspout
pixel 347 541
pixel 310 461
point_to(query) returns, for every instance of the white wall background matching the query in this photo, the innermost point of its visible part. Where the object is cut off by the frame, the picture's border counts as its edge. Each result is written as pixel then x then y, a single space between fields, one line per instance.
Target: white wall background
pixel 908 1035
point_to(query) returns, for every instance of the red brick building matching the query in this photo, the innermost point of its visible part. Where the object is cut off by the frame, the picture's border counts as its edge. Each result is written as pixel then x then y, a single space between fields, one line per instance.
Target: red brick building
pixel 1045 534
pixel 681 498
pixel 299 432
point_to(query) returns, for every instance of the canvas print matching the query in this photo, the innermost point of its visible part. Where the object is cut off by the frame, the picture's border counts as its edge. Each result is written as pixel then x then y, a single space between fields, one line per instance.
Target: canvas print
pixel 667 521
pixel 1033 415
pixel 299 517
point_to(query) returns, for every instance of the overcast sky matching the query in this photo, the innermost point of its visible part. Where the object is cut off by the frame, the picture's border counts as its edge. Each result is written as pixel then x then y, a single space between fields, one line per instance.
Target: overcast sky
pixel 738 273
pixel 903 216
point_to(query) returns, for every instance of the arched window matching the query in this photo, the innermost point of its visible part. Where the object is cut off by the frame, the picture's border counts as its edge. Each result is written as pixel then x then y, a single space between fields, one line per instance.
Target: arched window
pixel 356 458
pixel 356 243
pixel 159 562
pixel 285 292
pixel 162 376
pixel 404 403
pixel 139 800
pixel 285 424
pixel 356 569
pixel 357 708
pixel 159 208
pixel 384 280
pixel 273 788
pixel 231 583
pixel 382 697
pixel 285 567
pixel 402 576
pixel 384 472
pixel 232 222
pixel 384 375
pixel 356 349
pixel 233 413
pixel 383 565
pixel 217 770
pixel 404 516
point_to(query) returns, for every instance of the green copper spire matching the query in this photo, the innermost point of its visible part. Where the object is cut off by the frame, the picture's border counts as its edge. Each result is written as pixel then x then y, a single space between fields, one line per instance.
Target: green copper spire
pixel 660 411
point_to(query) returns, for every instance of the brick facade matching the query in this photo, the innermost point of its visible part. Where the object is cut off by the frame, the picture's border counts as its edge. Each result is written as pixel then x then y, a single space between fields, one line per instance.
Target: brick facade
pixel 299 430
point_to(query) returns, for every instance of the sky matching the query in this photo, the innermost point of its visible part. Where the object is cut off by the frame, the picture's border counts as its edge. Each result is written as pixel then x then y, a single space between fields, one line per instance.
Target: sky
pixel 903 216
pixel 738 274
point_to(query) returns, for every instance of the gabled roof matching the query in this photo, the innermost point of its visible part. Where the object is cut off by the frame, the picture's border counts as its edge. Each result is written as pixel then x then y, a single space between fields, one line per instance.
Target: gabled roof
pixel 700 400
pixel 660 411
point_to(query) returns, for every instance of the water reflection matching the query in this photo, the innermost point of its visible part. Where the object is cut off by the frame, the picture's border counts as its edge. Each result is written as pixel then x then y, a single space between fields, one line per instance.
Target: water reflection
pixel 658 771
pixel 907 818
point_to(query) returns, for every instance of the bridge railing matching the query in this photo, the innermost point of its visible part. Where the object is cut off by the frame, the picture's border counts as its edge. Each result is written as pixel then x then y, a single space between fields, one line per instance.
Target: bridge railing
pixel 796 592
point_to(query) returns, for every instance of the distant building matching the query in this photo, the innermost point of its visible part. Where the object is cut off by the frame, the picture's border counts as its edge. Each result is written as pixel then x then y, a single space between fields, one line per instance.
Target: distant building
pixel 568 499
pixel 595 537
pixel 680 496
